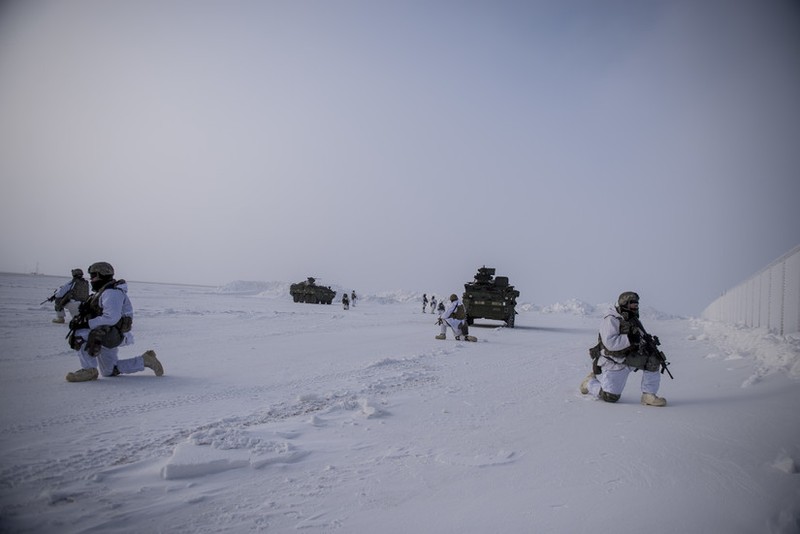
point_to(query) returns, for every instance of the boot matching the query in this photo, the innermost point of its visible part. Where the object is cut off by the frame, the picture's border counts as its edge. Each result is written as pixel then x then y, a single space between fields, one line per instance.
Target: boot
pixel 441 336
pixel 650 399
pixel 152 362
pixel 59 320
pixel 82 375
pixel 585 384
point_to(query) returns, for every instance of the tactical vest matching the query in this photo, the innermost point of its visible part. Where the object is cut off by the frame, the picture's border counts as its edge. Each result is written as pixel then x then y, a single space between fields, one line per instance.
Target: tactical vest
pixel 620 353
pixel 110 336
pixel 93 308
pixel 632 358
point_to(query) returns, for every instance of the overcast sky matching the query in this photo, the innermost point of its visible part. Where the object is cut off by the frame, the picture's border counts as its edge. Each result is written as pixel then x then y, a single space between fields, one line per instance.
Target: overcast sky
pixel 582 148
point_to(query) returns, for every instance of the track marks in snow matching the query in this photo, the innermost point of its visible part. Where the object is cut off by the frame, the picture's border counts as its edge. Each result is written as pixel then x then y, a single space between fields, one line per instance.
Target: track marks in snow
pixel 322 394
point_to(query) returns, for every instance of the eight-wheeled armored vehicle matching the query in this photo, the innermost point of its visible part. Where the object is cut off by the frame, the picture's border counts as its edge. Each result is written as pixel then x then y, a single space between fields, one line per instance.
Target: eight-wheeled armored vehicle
pixel 310 292
pixel 490 297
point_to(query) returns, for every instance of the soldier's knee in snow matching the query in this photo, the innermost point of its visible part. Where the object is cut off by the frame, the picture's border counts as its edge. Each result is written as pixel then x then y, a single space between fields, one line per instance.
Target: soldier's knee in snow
pixel 608 397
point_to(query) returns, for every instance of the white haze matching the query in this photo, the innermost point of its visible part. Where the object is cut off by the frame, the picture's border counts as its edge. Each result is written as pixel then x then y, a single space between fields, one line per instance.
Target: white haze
pixel 582 148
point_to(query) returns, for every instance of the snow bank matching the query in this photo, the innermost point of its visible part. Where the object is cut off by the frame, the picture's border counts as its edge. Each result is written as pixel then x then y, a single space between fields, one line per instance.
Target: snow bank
pixel 266 289
pixel 572 306
pixel 771 352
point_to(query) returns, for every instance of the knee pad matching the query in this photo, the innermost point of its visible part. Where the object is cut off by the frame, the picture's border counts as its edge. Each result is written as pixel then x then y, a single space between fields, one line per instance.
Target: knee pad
pixel 608 397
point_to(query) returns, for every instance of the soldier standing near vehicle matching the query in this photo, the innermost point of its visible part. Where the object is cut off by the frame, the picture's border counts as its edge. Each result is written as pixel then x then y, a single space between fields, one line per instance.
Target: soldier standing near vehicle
pixel 345 302
pixel 104 324
pixel 424 302
pixel 70 296
pixel 619 339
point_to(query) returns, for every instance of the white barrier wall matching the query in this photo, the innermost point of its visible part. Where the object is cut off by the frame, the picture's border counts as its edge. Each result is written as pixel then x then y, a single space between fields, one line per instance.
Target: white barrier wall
pixel 770 299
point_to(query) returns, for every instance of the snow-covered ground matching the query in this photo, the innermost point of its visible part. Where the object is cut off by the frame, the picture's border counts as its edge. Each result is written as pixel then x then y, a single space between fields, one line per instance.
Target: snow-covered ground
pixel 281 417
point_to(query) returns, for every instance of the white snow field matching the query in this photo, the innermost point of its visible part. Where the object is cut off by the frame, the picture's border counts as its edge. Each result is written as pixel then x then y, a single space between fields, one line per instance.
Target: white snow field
pixel 274 416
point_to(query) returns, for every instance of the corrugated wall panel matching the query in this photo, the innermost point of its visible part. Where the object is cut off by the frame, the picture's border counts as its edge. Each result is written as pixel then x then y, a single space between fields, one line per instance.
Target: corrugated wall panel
pixel 769 299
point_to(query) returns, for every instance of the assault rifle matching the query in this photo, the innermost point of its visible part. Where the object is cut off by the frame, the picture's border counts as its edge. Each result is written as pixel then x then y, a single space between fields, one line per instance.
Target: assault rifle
pixel 649 347
pixel 51 299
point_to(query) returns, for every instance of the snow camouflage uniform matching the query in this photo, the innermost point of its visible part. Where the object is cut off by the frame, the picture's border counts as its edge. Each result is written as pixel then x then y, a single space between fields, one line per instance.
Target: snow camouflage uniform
pixel 619 337
pixel 448 318
pixel 70 295
pixel 103 326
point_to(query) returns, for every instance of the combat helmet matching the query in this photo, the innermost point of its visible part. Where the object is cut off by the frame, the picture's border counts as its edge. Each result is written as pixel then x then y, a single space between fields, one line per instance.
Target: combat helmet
pixel 453 297
pixel 625 304
pixel 77 273
pixel 101 269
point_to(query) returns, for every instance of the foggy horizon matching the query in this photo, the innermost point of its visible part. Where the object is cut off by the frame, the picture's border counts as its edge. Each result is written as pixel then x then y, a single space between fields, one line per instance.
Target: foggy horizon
pixel 580 148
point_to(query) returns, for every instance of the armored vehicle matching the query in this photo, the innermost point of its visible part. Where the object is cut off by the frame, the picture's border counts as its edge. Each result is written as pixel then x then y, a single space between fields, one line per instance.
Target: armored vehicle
pixel 310 292
pixel 490 297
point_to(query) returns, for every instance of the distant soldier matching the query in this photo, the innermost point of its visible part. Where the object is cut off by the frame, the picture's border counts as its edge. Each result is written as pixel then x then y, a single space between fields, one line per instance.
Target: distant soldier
pixel 433 303
pixel 353 298
pixel 424 302
pixel 345 302
pixel 70 296
pixel 440 308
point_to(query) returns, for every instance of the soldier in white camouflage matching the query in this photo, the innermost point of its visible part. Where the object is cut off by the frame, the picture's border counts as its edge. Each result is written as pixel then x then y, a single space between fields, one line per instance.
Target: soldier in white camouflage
pixel 619 340
pixel 70 295
pixel 104 325
pixel 455 317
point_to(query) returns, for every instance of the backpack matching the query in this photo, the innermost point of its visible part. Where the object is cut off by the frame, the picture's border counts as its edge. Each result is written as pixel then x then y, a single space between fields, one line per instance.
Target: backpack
pixel 80 290
pixel 460 313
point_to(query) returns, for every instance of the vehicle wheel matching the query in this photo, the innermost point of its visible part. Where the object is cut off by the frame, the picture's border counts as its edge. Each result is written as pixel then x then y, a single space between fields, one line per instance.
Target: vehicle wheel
pixel 510 320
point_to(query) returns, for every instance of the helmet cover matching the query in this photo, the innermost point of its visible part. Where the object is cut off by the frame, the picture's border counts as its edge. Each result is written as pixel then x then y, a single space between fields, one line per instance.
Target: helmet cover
pixel 101 269
pixel 624 303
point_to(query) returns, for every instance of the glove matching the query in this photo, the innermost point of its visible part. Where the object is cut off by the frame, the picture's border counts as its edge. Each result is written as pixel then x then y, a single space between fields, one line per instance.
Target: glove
pixel 439 321
pixel 78 322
